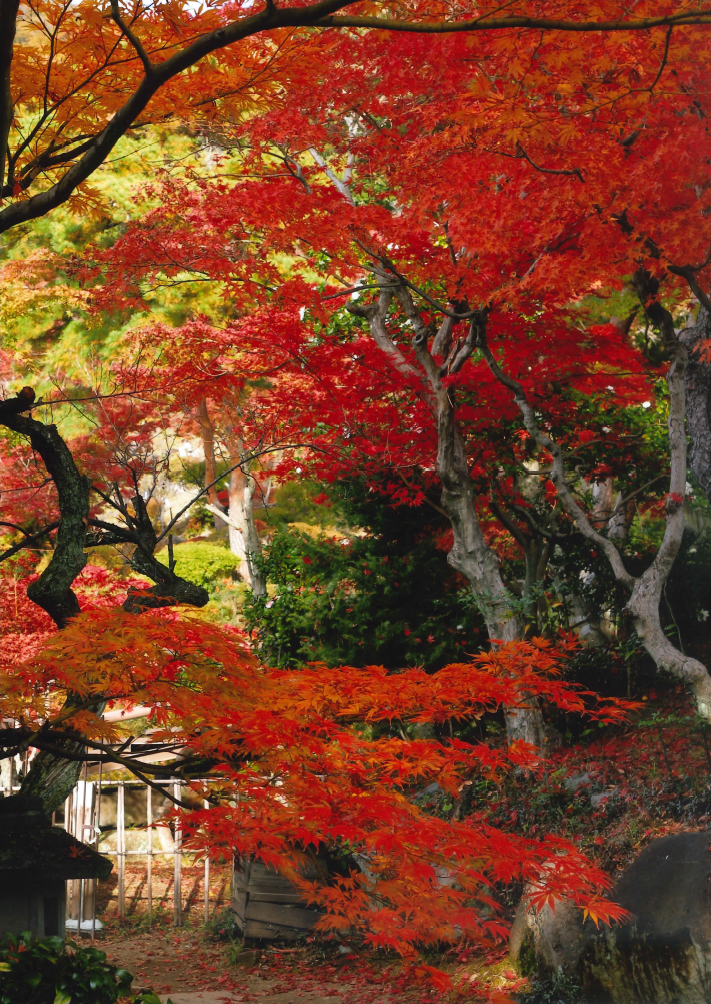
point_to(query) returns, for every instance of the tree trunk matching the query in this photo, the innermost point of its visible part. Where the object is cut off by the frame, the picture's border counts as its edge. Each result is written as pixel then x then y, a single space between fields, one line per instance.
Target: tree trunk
pixel 474 559
pixel 470 554
pixel 244 539
pixel 645 590
pixel 53 776
pixel 208 445
pixel 50 776
pixel 8 23
pixel 698 401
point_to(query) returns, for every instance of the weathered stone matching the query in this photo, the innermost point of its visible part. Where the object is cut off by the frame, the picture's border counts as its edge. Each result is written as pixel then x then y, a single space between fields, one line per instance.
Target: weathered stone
pixel 36 859
pixel 551 939
pixel 603 797
pixel 572 784
pixel 661 956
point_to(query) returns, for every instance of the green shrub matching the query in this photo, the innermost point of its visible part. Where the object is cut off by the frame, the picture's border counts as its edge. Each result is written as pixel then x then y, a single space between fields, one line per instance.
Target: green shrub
pixel 387 597
pixel 52 972
pixel 201 563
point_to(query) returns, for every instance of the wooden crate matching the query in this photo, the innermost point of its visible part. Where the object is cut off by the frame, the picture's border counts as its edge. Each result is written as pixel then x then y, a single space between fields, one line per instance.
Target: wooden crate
pixel 266 905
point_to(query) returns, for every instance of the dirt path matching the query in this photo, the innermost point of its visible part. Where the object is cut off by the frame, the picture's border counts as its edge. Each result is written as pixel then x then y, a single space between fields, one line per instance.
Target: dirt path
pixel 180 965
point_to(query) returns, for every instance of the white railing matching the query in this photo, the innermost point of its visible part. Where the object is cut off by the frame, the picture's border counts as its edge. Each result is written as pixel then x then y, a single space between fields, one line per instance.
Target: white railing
pixel 82 818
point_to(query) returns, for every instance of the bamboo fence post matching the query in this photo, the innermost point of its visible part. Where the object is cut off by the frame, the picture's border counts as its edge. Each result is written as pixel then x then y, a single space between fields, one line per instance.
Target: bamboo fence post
pixel 71 827
pixel 97 836
pixel 121 848
pixel 81 827
pixel 207 879
pixel 149 852
pixel 177 865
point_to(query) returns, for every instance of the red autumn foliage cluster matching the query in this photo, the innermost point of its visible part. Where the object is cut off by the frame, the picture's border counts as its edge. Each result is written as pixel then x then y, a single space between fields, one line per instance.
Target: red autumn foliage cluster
pixel 301 767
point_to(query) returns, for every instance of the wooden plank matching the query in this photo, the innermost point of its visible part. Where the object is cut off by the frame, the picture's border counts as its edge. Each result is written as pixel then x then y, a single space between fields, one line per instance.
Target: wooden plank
pixel 177 864
pixel 276 897
pixel 255 929
pixel 268 888
pixel 260 870
pixel 239 905
pixel 281 916
pixel 207 879
pixel 265 883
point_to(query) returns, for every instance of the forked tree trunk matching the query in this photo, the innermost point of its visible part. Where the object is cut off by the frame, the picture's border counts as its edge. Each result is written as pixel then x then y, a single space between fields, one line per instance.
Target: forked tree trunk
pixel 470 554
pixel 474 559
pixel 53 774
pixel 646 589
pixel 646 596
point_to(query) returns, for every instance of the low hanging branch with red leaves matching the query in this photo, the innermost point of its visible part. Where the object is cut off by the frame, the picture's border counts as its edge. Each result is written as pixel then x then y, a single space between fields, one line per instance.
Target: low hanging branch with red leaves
pixel 298 768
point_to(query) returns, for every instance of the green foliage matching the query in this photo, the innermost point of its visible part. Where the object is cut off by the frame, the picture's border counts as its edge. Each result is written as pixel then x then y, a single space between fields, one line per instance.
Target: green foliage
pixel 201 563
pixel 294 504
pixel 385 598
pixel 50 972
pixel 222 926
pixel 686 601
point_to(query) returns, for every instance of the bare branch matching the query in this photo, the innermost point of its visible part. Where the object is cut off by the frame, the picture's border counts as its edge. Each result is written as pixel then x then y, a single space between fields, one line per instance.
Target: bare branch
pixel 688 272
pixel 664 59
pixel 550 170
pixel 30 538
pixel 702 17
pixel 132 38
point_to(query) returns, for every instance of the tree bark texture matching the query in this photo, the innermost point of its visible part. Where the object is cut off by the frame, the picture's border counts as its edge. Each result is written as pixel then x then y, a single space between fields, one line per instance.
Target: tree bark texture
pixel 207 434
pixel 698 400
pixel 8 22
pixel 244 539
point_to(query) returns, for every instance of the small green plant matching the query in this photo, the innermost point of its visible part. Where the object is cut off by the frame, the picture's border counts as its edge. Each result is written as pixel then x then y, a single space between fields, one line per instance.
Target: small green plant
pixel 50 971
pixel 222 926
pixel 361 601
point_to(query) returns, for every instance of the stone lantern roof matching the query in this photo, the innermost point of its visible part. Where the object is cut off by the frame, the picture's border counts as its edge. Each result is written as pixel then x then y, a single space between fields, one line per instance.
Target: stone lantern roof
pixel 32 851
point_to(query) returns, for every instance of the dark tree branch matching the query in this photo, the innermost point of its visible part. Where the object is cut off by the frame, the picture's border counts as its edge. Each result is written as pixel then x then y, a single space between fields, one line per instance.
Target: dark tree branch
pixel 664 58
pixel 133 39
pixel 688 272
pixel 265 20
pixel 53 590
pixel 30 538
pixel 702 16
pixel 549 170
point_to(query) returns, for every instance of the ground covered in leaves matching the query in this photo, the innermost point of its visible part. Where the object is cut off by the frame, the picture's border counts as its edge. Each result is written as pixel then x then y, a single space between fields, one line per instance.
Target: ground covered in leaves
pixel 186 961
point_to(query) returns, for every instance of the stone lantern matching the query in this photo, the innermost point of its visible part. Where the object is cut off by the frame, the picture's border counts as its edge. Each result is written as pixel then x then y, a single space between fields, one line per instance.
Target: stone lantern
pixel 36 859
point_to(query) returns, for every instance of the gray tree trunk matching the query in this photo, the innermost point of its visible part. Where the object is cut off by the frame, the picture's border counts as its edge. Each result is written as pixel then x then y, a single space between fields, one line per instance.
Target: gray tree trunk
pixel 698 400
pixel 470 554
pixel 646 589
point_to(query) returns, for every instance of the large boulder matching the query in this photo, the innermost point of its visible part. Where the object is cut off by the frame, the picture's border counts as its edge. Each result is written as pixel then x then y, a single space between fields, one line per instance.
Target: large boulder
pixel 661 956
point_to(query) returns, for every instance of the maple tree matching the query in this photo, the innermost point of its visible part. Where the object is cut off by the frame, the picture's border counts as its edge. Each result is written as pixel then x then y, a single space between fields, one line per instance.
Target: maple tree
pixel 526 180
pixel 479 211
